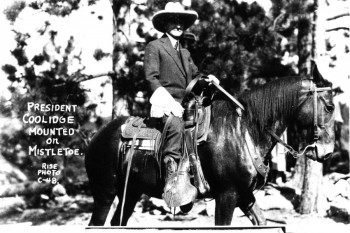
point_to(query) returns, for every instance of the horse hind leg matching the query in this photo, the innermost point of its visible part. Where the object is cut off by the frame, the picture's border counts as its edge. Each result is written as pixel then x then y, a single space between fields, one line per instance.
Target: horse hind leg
pixel 103 200
pixel 131 198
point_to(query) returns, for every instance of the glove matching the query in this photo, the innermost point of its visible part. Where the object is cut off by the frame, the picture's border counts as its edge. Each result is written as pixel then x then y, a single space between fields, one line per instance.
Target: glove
pixel 157 111
pixel 211 78
pixel 176 109
pixel 164 104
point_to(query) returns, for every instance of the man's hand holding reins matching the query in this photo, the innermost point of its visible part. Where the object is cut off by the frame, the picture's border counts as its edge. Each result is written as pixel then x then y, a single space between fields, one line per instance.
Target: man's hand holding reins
pixel 211 78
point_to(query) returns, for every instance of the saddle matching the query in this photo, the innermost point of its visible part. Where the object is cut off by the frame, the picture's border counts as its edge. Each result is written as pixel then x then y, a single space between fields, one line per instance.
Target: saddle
pixel 147 132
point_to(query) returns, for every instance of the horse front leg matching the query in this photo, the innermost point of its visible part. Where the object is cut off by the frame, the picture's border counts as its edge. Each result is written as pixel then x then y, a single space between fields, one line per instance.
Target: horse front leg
pixel 225 204
pixel 255 215
pixel 251 209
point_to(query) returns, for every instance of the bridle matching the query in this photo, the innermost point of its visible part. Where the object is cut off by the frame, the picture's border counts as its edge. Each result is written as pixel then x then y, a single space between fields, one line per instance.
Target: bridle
pixel 314 90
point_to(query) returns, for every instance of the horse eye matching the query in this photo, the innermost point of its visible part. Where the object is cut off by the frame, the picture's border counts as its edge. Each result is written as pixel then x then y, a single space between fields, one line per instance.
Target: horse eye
pixel 329 108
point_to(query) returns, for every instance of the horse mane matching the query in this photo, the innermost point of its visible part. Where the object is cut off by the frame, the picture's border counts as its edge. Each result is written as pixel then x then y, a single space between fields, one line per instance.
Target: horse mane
pixel 264 105
pixel 270 102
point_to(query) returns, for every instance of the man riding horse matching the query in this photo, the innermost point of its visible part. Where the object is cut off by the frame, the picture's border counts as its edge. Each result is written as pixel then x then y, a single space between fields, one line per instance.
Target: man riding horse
pixel 169 68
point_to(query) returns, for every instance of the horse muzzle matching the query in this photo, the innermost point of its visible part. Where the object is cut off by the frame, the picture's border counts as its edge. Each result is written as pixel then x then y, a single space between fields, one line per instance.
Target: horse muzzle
pixel 319 152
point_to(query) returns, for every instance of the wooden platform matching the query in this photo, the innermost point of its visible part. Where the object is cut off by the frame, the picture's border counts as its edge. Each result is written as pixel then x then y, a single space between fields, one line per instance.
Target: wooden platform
pixel 252 229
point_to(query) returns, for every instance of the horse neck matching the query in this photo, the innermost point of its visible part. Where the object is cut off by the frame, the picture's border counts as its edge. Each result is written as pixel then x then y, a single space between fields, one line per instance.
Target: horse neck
pixel 270 107
pixel 236 129
pixel 224 118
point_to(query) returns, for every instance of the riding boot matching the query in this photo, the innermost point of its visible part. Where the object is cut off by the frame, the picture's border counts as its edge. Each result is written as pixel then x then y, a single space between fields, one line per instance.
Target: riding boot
pixel 178 190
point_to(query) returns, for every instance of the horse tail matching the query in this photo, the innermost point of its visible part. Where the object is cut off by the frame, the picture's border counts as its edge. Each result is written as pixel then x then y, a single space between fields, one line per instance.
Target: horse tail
pixel 104 169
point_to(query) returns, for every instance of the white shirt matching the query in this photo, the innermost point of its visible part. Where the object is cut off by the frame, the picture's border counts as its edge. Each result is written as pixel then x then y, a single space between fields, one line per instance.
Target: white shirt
pixel 173 40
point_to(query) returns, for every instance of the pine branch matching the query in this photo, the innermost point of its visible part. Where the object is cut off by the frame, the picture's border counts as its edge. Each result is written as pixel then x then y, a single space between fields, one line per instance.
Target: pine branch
pixel 338 28
pixel 338 16
pixel 86 77
pixel 276 20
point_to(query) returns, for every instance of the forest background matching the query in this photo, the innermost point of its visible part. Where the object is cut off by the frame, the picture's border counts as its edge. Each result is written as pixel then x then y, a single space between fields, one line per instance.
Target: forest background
pixel 89 53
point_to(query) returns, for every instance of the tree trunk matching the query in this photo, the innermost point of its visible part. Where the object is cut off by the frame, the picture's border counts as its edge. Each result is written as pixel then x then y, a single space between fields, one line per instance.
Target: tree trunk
pixel 312 181
pixel 120 39
pixel 308 174
pixel 298 176
pixel 26 188
pixel 304 39
pixel 307 181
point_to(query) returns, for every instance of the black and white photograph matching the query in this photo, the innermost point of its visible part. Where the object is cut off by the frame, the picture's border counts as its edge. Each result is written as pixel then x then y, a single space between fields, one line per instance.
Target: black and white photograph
pixel 168 115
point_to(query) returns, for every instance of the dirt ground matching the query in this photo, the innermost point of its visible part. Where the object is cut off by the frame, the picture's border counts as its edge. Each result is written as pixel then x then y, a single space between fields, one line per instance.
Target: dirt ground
pixel 76 211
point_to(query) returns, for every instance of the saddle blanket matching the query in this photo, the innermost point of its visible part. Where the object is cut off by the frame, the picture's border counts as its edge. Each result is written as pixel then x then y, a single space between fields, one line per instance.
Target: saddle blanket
pixel 142 128
pixel 142 144
pixel 142 132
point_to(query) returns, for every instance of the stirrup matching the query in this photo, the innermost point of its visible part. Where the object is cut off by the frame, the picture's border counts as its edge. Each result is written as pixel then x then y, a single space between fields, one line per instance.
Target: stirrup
pixel 178 190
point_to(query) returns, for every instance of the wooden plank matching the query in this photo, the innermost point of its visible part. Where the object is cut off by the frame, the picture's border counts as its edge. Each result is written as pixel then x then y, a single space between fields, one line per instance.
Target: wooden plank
pixel 251 229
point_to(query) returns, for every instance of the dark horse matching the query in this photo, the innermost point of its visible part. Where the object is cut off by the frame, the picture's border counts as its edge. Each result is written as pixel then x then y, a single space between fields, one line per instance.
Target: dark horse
pixel 227 155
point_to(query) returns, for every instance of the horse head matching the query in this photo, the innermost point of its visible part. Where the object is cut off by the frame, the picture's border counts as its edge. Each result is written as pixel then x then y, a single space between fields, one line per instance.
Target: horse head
pixel 315 117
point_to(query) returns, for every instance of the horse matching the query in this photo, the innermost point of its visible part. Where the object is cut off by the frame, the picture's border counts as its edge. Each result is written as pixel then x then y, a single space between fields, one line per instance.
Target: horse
pixel 229 156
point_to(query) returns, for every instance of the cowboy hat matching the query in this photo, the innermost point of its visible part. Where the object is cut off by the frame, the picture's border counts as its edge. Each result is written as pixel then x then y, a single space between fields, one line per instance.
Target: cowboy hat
pixel 173 9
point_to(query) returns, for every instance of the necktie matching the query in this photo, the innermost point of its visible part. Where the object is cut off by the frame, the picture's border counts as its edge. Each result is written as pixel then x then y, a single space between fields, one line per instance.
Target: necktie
pixel 176 47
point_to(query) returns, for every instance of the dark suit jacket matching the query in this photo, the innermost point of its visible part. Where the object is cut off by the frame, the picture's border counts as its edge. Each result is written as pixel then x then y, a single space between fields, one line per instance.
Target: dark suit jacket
pixel 163 67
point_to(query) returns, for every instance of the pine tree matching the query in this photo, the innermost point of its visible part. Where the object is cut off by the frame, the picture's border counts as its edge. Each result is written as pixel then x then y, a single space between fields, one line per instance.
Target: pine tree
pixel 43 78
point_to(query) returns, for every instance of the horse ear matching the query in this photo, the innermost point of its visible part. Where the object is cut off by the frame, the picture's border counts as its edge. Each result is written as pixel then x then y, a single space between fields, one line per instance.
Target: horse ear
pixel 315 74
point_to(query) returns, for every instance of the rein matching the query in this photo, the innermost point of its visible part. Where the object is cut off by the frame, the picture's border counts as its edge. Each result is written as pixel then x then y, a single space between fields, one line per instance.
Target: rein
pixel 290 149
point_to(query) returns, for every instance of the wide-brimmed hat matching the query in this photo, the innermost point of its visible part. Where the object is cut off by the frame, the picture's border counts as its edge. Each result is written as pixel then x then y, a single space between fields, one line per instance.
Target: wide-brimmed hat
pixel 173 10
